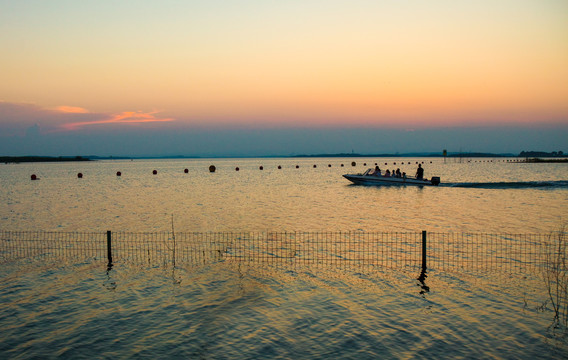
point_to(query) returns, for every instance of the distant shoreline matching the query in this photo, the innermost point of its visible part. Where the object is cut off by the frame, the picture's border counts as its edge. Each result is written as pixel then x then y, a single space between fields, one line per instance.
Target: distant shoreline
pixel 28 159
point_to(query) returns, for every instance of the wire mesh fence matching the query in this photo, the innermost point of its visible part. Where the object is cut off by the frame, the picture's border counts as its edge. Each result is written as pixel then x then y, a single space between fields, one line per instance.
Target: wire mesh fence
pixel 39 245
pixel 489 252
pixel 414 250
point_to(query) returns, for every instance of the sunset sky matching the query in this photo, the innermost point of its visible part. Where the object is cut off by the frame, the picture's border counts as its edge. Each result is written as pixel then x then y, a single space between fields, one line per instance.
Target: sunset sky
pixel 255 77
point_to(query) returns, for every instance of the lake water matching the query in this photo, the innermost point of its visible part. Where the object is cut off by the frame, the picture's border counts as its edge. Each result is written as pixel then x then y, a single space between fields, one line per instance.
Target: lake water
pixel 82 309
pixel 473 197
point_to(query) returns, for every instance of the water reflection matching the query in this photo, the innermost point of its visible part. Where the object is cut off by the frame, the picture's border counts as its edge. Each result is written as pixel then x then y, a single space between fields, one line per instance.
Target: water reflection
pixel 109 283
pixel 421 279
pixel 249 310
pixel 175 280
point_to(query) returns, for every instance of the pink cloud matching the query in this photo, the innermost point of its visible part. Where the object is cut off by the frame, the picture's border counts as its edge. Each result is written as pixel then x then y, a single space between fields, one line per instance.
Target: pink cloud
pixel 17 118
pixel 125 117
pixel 71 109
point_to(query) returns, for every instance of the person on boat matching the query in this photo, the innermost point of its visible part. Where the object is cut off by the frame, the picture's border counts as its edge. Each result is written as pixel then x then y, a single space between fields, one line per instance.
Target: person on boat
pixel 398 174
pixel 420 172
pixel 387 173
pixel 377 171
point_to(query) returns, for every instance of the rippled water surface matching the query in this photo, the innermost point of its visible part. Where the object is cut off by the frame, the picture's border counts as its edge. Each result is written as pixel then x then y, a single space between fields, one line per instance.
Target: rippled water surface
pixel 225 311
pixel 82 308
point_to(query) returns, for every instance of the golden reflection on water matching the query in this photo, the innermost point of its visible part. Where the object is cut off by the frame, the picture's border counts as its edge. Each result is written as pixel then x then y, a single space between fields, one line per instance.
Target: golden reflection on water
pixel 304 199
pixel 255 310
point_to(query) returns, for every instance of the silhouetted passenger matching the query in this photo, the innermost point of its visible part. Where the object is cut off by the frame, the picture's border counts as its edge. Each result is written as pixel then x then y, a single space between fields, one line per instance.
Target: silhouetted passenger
pixel 420 172
pixel 377 171
pixel 387 173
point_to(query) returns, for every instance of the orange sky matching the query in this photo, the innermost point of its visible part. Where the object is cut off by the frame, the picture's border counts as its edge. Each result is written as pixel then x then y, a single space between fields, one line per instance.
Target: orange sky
pixel 263 64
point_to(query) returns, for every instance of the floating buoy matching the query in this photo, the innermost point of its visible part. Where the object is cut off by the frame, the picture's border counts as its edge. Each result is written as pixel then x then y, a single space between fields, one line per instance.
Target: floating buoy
pixel 394 163
pixel 315 166
pixel 341 165
pixel 328 165
pixel 237 168
pixel 261 168
pixel 386 163
pixel 186 171
pixel 279 167
pixel 80 175
pixel 34 177
pixel 353 163
pixel 297 166
pixel 364 164
pixel 212 168
pixel 155 172
pixel 118 173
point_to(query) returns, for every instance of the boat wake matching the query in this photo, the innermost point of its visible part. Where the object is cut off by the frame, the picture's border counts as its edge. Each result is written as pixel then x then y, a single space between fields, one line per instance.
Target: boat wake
pixel 511 185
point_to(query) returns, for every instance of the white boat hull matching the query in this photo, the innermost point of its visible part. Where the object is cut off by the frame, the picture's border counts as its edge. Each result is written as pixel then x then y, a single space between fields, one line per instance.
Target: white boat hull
pixel 362 179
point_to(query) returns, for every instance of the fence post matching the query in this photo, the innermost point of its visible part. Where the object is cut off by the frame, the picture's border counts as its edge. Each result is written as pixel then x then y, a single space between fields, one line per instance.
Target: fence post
pixel 423 250
pixel 109 247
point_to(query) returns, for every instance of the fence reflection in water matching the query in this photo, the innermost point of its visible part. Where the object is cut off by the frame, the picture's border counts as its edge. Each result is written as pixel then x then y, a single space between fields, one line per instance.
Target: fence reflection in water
pixel 440 251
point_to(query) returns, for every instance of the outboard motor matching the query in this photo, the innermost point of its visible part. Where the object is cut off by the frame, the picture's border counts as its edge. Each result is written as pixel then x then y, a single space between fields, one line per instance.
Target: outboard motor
pixel 435 180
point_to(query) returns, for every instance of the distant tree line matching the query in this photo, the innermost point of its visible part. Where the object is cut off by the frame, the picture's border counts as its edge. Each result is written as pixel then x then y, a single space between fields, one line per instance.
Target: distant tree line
pixel 541 154
pixel 20 159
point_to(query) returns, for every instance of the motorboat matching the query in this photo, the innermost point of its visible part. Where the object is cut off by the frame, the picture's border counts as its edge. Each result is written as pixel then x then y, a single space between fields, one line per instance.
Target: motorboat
pixel 368 178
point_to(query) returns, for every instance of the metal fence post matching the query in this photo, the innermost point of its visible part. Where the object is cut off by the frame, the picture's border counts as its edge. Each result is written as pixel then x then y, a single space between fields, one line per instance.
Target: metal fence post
pixel 109 247
pixel 423 249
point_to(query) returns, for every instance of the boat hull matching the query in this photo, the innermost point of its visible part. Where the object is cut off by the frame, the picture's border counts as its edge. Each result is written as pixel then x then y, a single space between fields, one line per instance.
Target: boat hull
pixel 361 179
